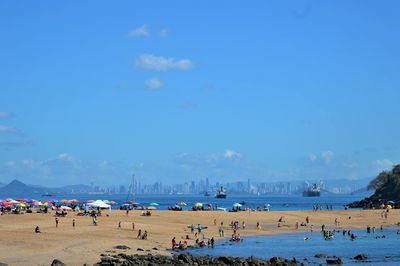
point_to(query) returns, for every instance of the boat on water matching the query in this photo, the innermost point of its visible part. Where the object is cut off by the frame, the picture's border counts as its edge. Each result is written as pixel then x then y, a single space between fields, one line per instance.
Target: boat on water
pixel 313 191
pixel 48 195
pixel 221 193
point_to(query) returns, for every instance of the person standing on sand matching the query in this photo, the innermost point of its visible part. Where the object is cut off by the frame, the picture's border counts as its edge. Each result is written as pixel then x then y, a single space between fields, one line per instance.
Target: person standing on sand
pixel 243 225
pixel 133 226
pixel 297 225
pixel 119 225
pixel 139 235
pixel 215 221
pixel 56 222
pixel 73 223
pixel 127 212
pixel 212 242
pixel 173 243
pixel 192 228
pixel 144 237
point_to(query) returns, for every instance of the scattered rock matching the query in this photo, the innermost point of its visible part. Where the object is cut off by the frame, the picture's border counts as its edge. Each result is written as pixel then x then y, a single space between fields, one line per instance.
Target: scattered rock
pixel 321 255
pixel 361 257
pixel 139 249
pixel 57 262
pixel 337 261
pixel 155 248
pixel 187 259
pixel 3 264
pixel 121 247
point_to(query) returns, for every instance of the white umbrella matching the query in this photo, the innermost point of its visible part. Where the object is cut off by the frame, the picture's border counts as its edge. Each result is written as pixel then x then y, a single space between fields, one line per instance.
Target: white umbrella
pixel 237 205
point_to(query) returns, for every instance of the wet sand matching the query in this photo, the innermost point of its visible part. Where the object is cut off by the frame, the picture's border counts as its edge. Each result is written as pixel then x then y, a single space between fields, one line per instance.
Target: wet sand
pixel 19 244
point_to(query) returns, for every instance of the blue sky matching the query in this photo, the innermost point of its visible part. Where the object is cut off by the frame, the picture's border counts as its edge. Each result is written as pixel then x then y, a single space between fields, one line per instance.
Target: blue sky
pixel 269 90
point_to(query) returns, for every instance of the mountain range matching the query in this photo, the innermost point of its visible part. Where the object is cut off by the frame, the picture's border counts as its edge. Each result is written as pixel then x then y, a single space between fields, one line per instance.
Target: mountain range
pixel 18 189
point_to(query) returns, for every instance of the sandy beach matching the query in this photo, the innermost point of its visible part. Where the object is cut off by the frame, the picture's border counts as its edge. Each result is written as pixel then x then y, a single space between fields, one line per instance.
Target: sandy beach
pixel 20 245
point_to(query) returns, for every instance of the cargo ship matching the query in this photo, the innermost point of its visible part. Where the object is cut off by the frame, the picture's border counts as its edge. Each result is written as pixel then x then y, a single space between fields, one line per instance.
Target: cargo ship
pixel 221 193
pixel 313 191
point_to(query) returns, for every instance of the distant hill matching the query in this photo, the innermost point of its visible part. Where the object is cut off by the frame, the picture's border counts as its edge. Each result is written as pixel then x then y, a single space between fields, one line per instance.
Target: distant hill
pixel 80 188
pixel 387 188
pixel 17 189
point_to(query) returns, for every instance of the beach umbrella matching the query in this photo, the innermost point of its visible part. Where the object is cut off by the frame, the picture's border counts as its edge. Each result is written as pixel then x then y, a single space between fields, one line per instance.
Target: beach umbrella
pixel 181 203
pixel 112 202
pixel 154 204
pixel 237 205
pixel 151 208
pixel 390 202
pixel 64 201
pixel 36 203
pixel 65 208
pixel 198 204
pixel 389 207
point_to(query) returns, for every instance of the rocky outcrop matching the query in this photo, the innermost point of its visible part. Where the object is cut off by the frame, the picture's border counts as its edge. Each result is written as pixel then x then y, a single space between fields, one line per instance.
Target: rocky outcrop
pixel 57 262
pixel 361 257
pixel 387 190
pixel 336 261
pixel 186 259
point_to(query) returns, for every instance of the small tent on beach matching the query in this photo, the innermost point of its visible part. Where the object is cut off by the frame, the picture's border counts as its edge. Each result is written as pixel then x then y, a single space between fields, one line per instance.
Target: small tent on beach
pixel 99 204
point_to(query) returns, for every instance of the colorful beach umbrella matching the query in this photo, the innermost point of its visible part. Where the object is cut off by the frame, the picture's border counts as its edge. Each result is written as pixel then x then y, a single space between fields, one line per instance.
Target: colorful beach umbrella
pixel 198 204
pixel 154 204
pixel 181 203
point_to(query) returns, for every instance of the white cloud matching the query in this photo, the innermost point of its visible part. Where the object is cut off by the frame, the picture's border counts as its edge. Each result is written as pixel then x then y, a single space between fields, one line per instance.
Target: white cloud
pixel 159 63
pixel 10 163
pixel 312 157
pixel 384 164
pixel 163 33
pixel 154 83
pixel 8 129
pixel 5 115
pixel 65 157
pixel 231 154
pixel 327 155
pixel 141 31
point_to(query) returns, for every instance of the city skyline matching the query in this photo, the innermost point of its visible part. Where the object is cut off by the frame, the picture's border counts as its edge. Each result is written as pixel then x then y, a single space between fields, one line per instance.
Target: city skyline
pixel 271 91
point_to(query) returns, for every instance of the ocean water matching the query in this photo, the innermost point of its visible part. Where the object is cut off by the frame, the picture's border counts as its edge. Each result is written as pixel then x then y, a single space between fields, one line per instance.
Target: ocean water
pixel 380 251
pixel 277 202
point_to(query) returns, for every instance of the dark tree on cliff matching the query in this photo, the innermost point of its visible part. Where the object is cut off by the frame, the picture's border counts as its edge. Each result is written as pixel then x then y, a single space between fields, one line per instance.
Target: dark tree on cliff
pixel 387 185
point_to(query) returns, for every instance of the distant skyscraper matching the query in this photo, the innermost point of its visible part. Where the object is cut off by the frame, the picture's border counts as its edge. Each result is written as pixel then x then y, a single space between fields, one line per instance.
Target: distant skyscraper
pixel 207 184
pixel 248 185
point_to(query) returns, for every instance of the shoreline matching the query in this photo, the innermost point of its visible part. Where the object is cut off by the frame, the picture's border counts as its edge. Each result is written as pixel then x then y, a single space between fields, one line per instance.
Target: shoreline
pixel 86 242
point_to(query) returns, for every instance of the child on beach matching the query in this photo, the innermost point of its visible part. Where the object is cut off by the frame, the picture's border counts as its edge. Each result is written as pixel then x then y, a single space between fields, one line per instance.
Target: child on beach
pixel 37 230
pixel 144 237
pixel 56 222
pixel 139 233
pixel 73 223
